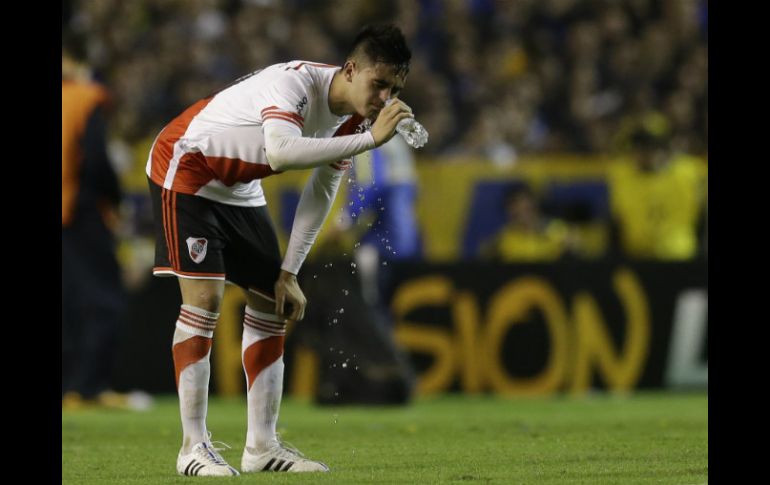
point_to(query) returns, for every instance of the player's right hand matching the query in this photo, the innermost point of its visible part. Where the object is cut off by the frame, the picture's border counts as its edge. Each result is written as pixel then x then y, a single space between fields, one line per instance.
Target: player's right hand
pixel 384 127
pixel 287 290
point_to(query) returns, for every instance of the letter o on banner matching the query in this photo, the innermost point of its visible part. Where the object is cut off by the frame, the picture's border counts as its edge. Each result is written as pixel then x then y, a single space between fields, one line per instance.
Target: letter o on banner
pixel 508 307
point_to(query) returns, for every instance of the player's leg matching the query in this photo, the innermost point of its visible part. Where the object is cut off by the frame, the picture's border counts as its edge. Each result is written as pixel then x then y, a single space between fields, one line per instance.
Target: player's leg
pixel 189 245
pixel 262 354
pixel 253 262
pixel 193 338
pixel 191 348
pixel 262 351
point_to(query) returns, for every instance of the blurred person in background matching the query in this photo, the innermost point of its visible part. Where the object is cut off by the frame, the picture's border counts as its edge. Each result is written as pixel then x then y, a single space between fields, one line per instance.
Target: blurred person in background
pixel 657 197
pixel 527 236
pixel 93 297
pixel 382 199
pixel 377 225
pixel 212 225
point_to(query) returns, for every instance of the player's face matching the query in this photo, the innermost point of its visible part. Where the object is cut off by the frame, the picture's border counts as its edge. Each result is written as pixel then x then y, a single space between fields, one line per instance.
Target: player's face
pixel 372 86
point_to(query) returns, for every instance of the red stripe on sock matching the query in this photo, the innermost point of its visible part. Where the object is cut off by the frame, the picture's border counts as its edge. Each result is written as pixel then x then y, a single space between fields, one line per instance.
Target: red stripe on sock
pixel 189 352
pixel 261 354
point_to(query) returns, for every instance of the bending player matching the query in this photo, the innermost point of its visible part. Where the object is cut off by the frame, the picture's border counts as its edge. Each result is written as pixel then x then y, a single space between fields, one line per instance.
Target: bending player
pixel 212 225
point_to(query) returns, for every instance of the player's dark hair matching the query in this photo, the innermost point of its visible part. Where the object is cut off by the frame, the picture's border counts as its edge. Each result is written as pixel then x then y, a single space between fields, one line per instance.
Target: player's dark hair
pixel 383 43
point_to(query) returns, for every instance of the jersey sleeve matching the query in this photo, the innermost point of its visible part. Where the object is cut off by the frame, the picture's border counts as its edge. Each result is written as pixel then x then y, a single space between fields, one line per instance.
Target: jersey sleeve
pixel 314 205
pixel 285 102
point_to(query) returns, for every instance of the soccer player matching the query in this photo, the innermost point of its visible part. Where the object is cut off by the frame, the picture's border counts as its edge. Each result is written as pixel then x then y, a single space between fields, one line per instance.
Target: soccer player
pixel 212 226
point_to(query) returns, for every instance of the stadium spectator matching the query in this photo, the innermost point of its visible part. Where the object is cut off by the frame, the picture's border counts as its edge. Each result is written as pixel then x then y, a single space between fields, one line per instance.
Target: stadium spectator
pixel 212 225
pixel 527 236
pixel 590 56
pixel 93 297
pixel 657 199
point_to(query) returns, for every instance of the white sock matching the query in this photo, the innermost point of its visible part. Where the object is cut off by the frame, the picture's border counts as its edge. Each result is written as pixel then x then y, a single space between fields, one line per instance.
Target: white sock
pixel 191 350
pixel 262 355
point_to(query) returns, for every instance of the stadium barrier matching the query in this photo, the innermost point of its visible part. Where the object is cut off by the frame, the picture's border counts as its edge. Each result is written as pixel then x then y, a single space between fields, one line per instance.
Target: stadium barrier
pixel 518 330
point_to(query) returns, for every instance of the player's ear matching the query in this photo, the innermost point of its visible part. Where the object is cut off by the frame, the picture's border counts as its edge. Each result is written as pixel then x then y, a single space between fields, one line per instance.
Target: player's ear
pixel 348 69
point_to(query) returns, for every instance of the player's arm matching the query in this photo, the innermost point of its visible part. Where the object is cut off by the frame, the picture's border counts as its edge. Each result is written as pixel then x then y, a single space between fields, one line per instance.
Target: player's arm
pixel 287 149
pixel 314 205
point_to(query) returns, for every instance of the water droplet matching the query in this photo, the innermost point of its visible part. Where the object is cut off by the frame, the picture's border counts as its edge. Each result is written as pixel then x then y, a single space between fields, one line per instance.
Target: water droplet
pixel 350 203
pixel 384 263
pixel 342 310
pixel 356 367
pixel 334 321
pixel 345 292
pixel 379 199
pixel 315 276
pixel 335 416
pixel 341 352
pixel 382 208
pixel 344 365
pixel 352 265
pixel 358 243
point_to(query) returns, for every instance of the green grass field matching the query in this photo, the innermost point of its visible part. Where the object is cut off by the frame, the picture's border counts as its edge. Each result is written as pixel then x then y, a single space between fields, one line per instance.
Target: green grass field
pixel 639 439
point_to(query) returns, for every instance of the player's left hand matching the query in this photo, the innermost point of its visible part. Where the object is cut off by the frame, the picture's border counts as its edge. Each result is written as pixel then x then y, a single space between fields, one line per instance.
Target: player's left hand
pixel 287 290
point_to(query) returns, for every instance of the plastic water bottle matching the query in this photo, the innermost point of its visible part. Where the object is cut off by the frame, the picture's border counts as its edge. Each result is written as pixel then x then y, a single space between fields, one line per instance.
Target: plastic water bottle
pixel 413 132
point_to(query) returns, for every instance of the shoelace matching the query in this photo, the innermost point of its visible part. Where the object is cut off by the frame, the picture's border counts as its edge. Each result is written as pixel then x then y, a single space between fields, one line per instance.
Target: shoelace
pixel 288 447
pixel 212 451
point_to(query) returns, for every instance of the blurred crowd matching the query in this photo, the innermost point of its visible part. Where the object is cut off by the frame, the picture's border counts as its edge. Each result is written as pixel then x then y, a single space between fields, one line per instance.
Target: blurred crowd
pixel 489 78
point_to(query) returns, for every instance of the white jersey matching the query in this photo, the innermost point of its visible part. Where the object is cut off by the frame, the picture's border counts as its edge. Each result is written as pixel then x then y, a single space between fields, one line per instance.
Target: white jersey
pixel 216 148
pixel 219 147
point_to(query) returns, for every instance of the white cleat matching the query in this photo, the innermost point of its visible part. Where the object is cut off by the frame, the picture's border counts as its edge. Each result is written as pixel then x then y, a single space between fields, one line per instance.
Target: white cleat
pixel 279 458
pixel 204 461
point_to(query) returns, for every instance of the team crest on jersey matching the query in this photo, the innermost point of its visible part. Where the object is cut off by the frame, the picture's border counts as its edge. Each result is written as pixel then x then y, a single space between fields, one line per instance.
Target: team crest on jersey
pixel 197 247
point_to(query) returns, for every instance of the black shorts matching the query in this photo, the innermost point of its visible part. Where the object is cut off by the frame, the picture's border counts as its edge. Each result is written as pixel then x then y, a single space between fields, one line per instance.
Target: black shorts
pixel 202 239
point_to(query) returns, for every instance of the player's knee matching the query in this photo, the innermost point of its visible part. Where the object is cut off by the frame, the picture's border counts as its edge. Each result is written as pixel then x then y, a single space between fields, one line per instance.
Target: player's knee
pixel 206 300
pixel 203 294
